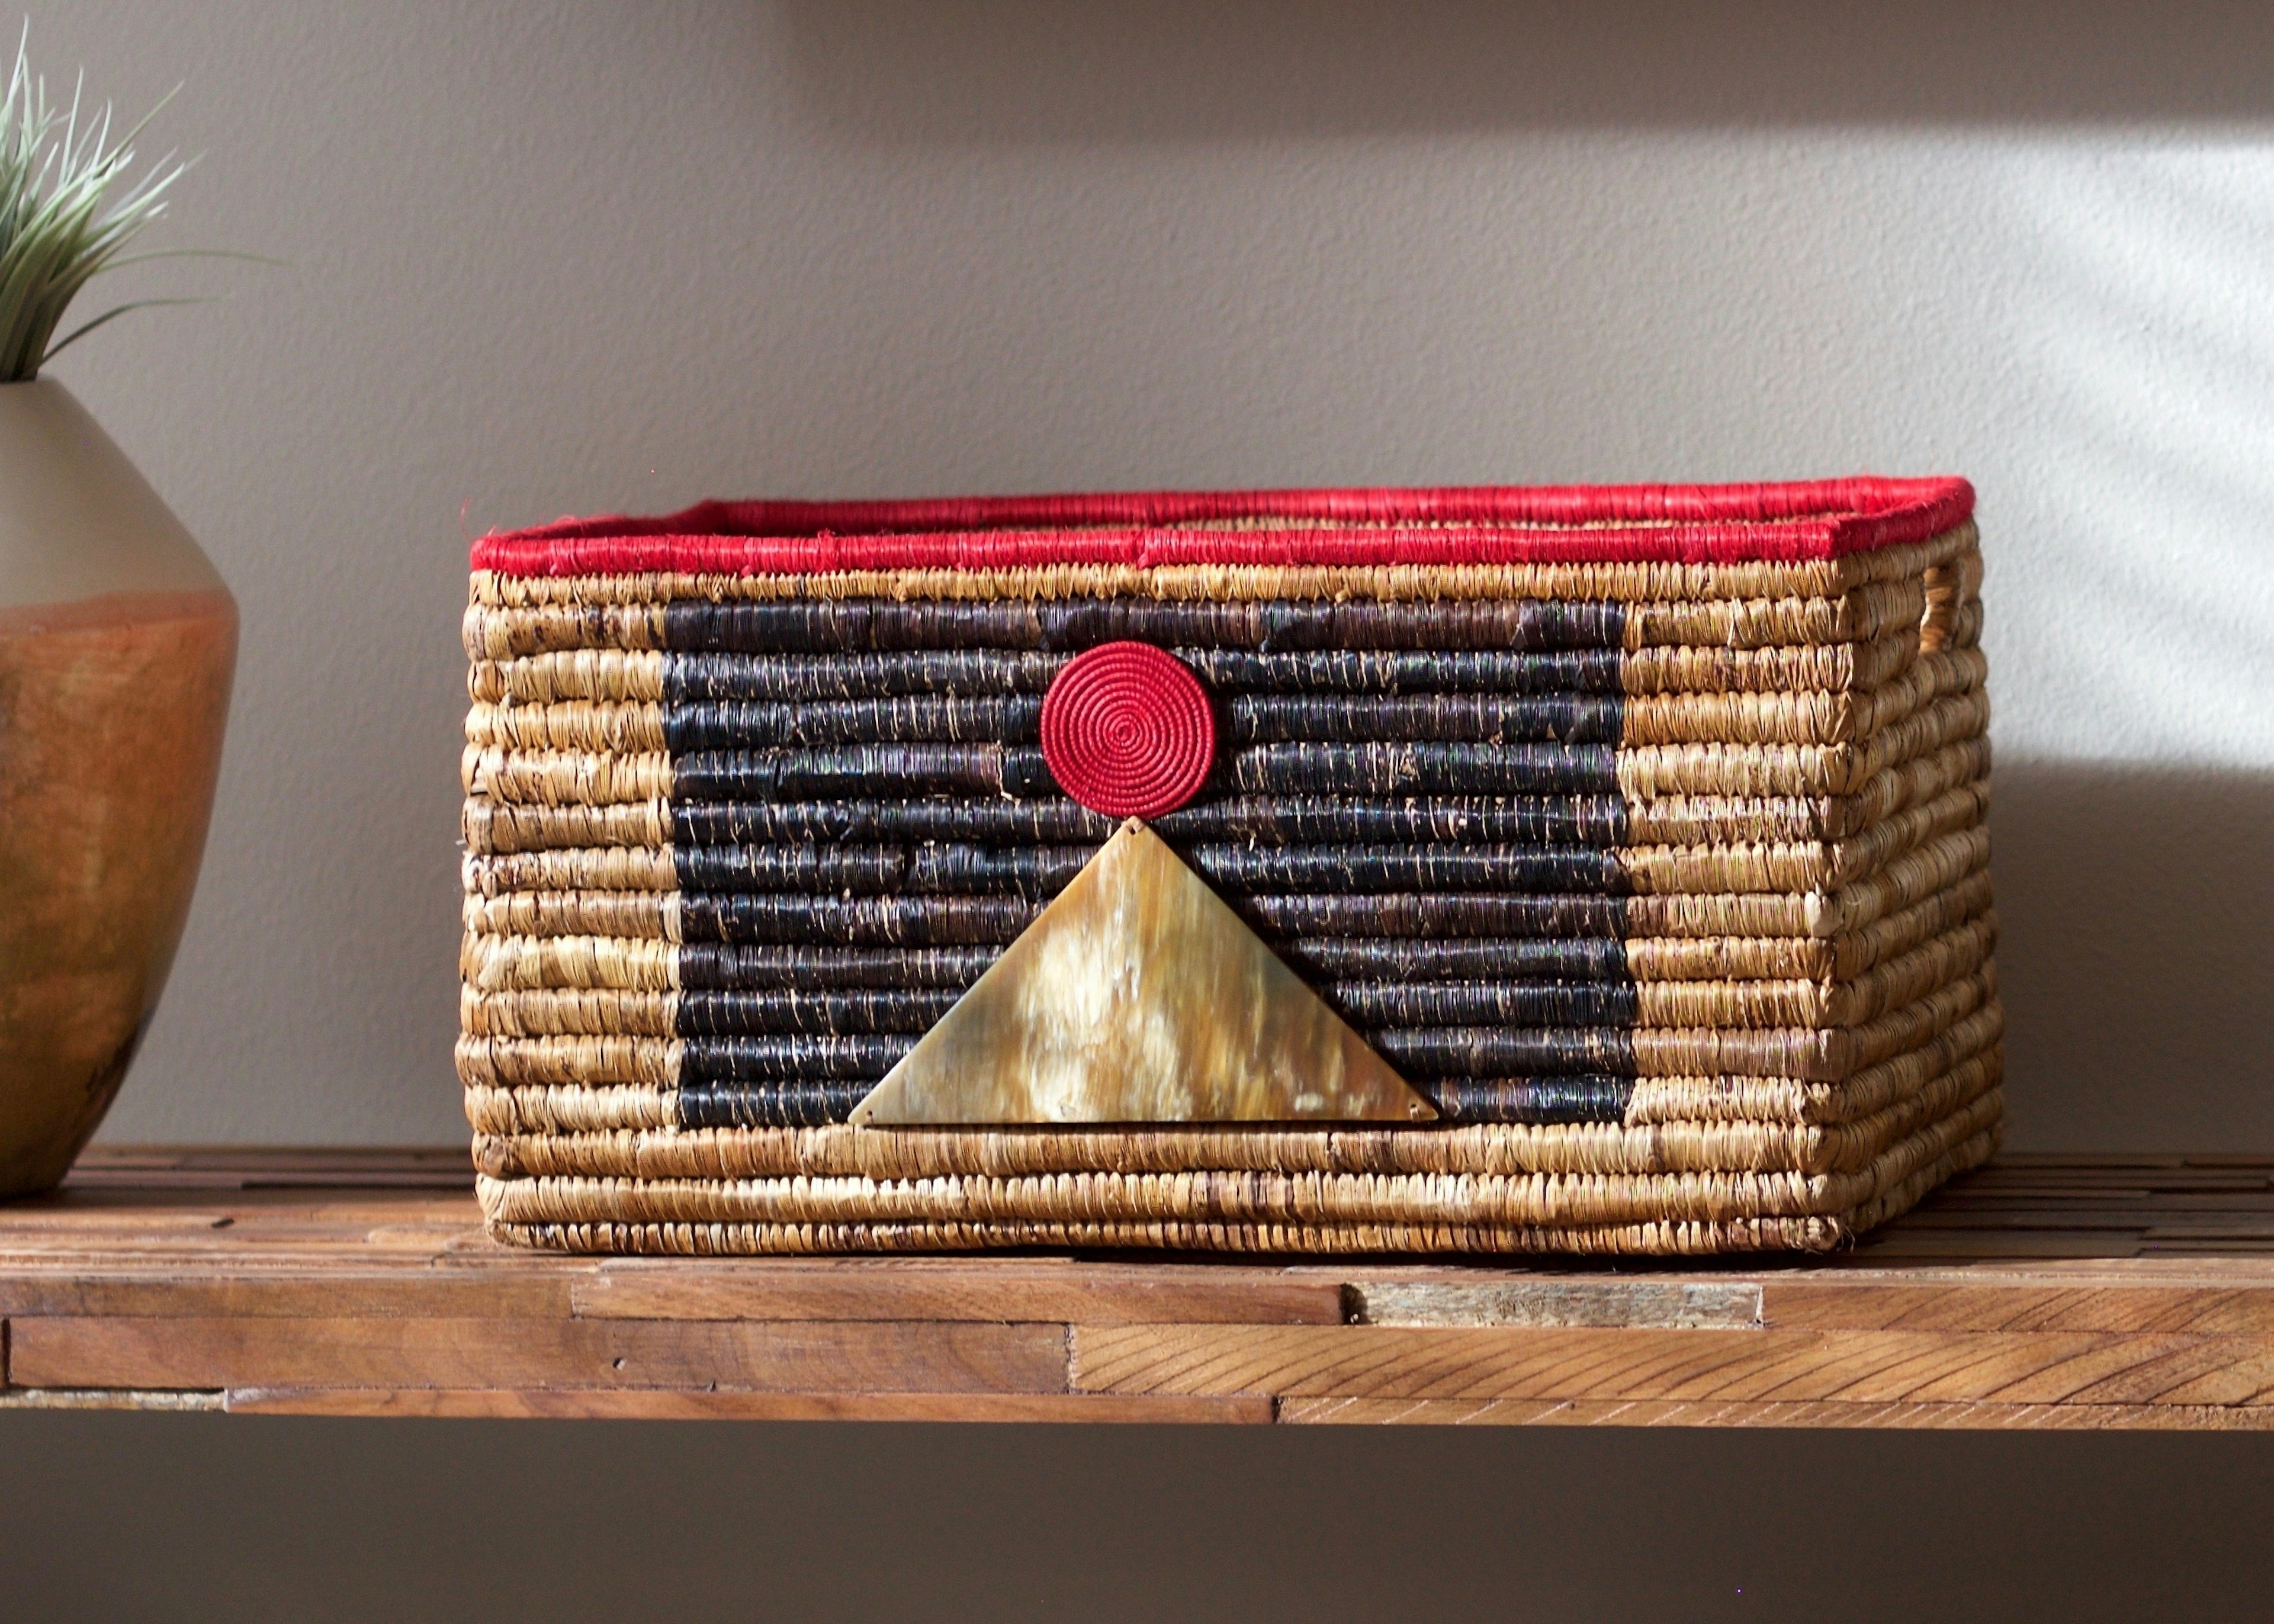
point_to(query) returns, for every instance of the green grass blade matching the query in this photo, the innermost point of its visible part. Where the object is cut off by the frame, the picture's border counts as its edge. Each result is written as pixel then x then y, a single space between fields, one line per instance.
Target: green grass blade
pixel 68 212
pixel 112 314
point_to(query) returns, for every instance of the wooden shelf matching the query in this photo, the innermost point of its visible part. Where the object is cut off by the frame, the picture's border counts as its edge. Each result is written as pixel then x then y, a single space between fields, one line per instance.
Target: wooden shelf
pixel 2046 1292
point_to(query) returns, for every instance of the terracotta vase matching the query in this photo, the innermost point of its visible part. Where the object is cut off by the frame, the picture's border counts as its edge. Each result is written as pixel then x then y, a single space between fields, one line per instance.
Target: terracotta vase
pixel 118 643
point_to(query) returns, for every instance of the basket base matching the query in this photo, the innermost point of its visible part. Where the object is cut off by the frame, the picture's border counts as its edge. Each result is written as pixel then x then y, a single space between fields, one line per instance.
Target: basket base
pixel 934 1215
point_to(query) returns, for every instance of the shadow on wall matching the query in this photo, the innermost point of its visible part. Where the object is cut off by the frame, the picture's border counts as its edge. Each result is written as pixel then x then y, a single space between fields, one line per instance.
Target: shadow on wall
pixel 932 70
pixel 2135 956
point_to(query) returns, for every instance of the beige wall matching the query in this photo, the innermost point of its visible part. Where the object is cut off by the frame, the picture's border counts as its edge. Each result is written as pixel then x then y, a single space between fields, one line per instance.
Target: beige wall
pixel 626 253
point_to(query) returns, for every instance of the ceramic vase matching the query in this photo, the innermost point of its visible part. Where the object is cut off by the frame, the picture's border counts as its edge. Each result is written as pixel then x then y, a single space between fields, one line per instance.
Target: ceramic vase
pixel 117 645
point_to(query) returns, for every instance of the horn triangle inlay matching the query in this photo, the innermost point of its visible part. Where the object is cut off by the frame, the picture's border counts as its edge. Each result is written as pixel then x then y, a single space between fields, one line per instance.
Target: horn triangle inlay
pixel 1139 997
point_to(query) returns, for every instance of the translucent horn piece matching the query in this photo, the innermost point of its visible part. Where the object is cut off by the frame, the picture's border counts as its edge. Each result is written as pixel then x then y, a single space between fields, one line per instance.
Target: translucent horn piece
pixel 1139 997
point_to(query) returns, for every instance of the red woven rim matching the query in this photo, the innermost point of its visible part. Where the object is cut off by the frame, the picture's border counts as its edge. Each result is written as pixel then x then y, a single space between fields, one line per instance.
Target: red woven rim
pixel 1488 524
pixel 1128 730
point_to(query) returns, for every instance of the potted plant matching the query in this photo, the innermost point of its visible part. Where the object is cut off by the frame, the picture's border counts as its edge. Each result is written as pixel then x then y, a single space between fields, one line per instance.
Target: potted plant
pixel 117 645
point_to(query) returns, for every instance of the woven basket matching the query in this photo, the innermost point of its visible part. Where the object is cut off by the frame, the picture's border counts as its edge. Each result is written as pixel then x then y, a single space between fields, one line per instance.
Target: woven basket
pixel 1640 831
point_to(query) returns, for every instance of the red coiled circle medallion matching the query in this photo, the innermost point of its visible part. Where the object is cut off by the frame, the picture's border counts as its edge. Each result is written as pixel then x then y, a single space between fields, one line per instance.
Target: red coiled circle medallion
pixel 1128 730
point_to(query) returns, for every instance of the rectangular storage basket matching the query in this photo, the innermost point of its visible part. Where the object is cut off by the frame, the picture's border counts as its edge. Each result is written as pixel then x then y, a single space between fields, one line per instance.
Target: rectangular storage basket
pixel 1639 832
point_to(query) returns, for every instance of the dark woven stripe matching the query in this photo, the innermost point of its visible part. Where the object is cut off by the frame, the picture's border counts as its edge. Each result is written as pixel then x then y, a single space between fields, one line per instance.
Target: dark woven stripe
pixel 693 677
pixel 1241 870
pixel 740 1014
pixel 951 921
pixel 1378 671
pixel 803 726
pixel 1393 959
pixel 1544 820
pixel 1365 1005
pixel 1541 1100
pixel 741 724
pixel 864 871
pixel 862 769
pixel 828 677
pixel 933 869
pixel 951 869
pixel 1491 718
pixel 1466 1004
pixel 1538 1101
pixel 715 965
pixel 860 625
pixel 1017 720
pixel 1037 871
pixel 1294 820
pixel 1467 916
pixel 1421 769
pixel 783 1105
pixel 862 1059
pixel 1505 1051
pixel 1052 822
pixel 860 921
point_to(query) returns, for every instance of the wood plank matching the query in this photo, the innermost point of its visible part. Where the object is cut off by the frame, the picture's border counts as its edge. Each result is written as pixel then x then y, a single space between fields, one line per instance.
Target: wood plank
pixel 1869 1304
pixel 2023 1160
pixel 2045 1291
pixel 401 1294
pixel 1897 1250
pixel 661 1404
pixel 232 1158
pixel 280 1202
pixel 890 1357
pixel 2210 1248
pixel 192 1178
pixel 1857 1367
pixel 982 1289
pixel 30 1224
pixel 240 1166
pixel 1995 1221
pixel 1549 1412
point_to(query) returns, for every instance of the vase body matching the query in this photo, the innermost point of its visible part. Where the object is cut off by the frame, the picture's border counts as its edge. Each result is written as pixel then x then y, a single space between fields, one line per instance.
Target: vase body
pixel 117 645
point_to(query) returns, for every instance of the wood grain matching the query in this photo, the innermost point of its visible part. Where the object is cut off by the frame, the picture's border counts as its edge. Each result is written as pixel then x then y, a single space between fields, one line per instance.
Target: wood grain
pixel 1965 1305
pixel 344 1292
pixel 2047 1292
pixel 926 1289
pixel 1878 1367
pixel 665 1405
pixel 1537 1412
pixel 894 1357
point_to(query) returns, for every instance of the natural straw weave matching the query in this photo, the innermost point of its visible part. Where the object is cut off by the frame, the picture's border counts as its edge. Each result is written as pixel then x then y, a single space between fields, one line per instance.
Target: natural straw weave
pixel 1642 830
